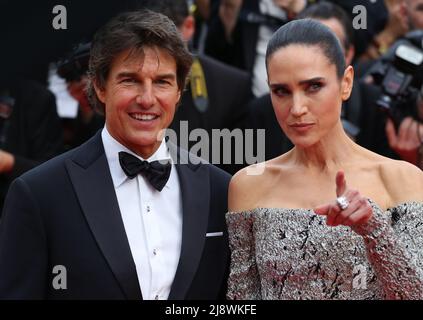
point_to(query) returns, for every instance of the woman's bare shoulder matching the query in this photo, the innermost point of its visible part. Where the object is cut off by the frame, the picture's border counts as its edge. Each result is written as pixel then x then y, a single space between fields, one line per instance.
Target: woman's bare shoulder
pixel 403 180
pixel 249 184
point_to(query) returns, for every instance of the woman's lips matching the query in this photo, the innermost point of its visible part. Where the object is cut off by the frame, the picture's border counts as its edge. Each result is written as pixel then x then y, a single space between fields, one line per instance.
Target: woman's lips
pixel 301 127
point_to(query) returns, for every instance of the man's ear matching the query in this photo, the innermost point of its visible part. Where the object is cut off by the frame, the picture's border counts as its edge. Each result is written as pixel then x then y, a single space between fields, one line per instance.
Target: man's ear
pixel 187 28
pixel 100 92
pixel 347 83
pixel 179 98
pixel 349 55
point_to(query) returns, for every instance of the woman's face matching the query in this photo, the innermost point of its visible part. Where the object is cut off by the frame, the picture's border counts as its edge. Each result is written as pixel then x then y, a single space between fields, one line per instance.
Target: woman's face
pixel 306 92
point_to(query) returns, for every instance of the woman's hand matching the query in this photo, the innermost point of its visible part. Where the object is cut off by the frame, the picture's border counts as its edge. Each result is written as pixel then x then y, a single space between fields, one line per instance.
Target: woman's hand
pixel 358 211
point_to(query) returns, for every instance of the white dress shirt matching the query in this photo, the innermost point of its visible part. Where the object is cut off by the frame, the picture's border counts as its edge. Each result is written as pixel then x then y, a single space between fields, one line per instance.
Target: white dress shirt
pixel 152 220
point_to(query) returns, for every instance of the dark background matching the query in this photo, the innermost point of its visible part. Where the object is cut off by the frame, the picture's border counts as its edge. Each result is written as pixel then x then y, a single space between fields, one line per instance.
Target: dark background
pixel 29 41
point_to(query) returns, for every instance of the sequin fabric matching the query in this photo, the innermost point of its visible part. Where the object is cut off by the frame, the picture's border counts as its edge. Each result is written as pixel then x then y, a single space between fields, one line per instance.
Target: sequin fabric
pixel 293 254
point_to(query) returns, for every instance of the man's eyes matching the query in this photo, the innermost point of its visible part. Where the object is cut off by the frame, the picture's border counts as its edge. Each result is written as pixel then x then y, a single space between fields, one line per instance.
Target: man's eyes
pixel 133 80
pixel 163 82
pixel 128 80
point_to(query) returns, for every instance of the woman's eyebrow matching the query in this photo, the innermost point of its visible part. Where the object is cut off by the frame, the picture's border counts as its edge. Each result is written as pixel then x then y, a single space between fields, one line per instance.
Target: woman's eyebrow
pixel 315 79
pixel 302 82
pixel 278 85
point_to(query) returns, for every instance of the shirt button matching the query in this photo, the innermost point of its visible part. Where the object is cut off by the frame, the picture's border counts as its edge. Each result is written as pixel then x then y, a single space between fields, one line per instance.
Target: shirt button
pixel 148 208
pixel 155 252
pixel 156 297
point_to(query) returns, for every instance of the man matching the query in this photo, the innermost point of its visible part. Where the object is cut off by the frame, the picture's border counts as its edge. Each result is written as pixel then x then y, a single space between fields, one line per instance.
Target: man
pixel 414 13
pixel 73 69
pixel 113 225
pixel 239 32
pixel 216 95
pixel 407 139
pixel 30 130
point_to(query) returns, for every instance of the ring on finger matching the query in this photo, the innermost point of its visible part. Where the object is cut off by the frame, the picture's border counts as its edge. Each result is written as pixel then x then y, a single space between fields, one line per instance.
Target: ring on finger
pixel 342 202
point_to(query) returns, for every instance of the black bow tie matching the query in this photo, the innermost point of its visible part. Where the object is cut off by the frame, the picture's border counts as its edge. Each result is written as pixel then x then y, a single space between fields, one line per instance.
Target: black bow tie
pixel 156 173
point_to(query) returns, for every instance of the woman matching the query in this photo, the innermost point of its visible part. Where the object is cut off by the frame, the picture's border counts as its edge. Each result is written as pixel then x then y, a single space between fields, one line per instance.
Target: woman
pixel 362 238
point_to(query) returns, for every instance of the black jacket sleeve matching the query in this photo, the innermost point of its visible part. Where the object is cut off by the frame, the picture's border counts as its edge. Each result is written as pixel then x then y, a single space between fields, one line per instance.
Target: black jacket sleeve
pixel 23 246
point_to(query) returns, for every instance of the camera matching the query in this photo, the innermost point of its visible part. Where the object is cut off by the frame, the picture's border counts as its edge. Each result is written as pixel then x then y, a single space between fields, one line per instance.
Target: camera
pixel 399 73
pixel 75 64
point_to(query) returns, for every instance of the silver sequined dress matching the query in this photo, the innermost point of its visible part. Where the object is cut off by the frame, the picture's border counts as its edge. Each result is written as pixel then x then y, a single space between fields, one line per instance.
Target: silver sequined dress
pixel 293 254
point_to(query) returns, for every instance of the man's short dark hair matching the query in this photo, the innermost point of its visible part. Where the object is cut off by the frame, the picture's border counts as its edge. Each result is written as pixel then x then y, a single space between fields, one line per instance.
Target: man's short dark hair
pixel 134 31
pixel 326 10
pixel 176 10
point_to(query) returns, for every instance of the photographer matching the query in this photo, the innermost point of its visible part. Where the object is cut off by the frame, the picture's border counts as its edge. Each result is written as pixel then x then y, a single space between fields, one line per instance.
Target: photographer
pixel 399 75
pixel 407 142
pixel 87 122
pixel 30 131
pixel 414 13
pixel 240 29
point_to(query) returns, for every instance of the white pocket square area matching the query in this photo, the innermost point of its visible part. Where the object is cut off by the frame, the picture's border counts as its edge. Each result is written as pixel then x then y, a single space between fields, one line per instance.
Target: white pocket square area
pixel 214 234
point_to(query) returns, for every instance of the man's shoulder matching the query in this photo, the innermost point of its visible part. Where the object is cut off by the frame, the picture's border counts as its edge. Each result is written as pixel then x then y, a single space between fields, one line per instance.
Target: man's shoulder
pixel 219 174
pixel 187 158
pixel 48 169
pixel 55 167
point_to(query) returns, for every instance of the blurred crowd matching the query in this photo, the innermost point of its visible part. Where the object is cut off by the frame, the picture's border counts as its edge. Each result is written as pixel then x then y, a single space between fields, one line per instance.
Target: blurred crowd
pixel 44 110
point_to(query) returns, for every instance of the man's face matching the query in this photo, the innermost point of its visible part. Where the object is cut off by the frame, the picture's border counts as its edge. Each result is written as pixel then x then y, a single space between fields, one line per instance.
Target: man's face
pixel 140 96
pixel 415 13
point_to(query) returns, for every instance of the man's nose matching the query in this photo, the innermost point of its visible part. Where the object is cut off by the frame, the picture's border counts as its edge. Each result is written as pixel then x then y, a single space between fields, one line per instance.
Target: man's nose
pixel 146 97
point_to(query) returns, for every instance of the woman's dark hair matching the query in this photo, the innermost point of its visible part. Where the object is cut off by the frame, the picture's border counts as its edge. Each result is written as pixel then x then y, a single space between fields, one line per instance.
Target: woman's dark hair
pixel 327 10
pixel 134 31
pixel 308 32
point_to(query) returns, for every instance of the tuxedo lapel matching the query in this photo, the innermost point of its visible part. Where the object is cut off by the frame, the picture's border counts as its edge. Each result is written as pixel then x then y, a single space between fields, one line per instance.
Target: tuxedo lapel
pixel 195 191
pixel 90 176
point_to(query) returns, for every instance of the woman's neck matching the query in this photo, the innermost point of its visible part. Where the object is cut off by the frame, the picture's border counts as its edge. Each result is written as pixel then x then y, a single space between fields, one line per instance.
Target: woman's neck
pixel 331 153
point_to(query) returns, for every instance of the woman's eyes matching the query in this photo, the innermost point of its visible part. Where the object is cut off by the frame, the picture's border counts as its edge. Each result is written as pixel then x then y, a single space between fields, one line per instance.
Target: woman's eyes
pixel 314 87
pixel 281 91
pixel 311 88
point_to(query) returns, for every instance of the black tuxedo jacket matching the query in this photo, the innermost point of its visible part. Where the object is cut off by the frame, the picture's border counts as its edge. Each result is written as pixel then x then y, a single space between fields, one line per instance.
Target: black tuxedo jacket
pixel 65 212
